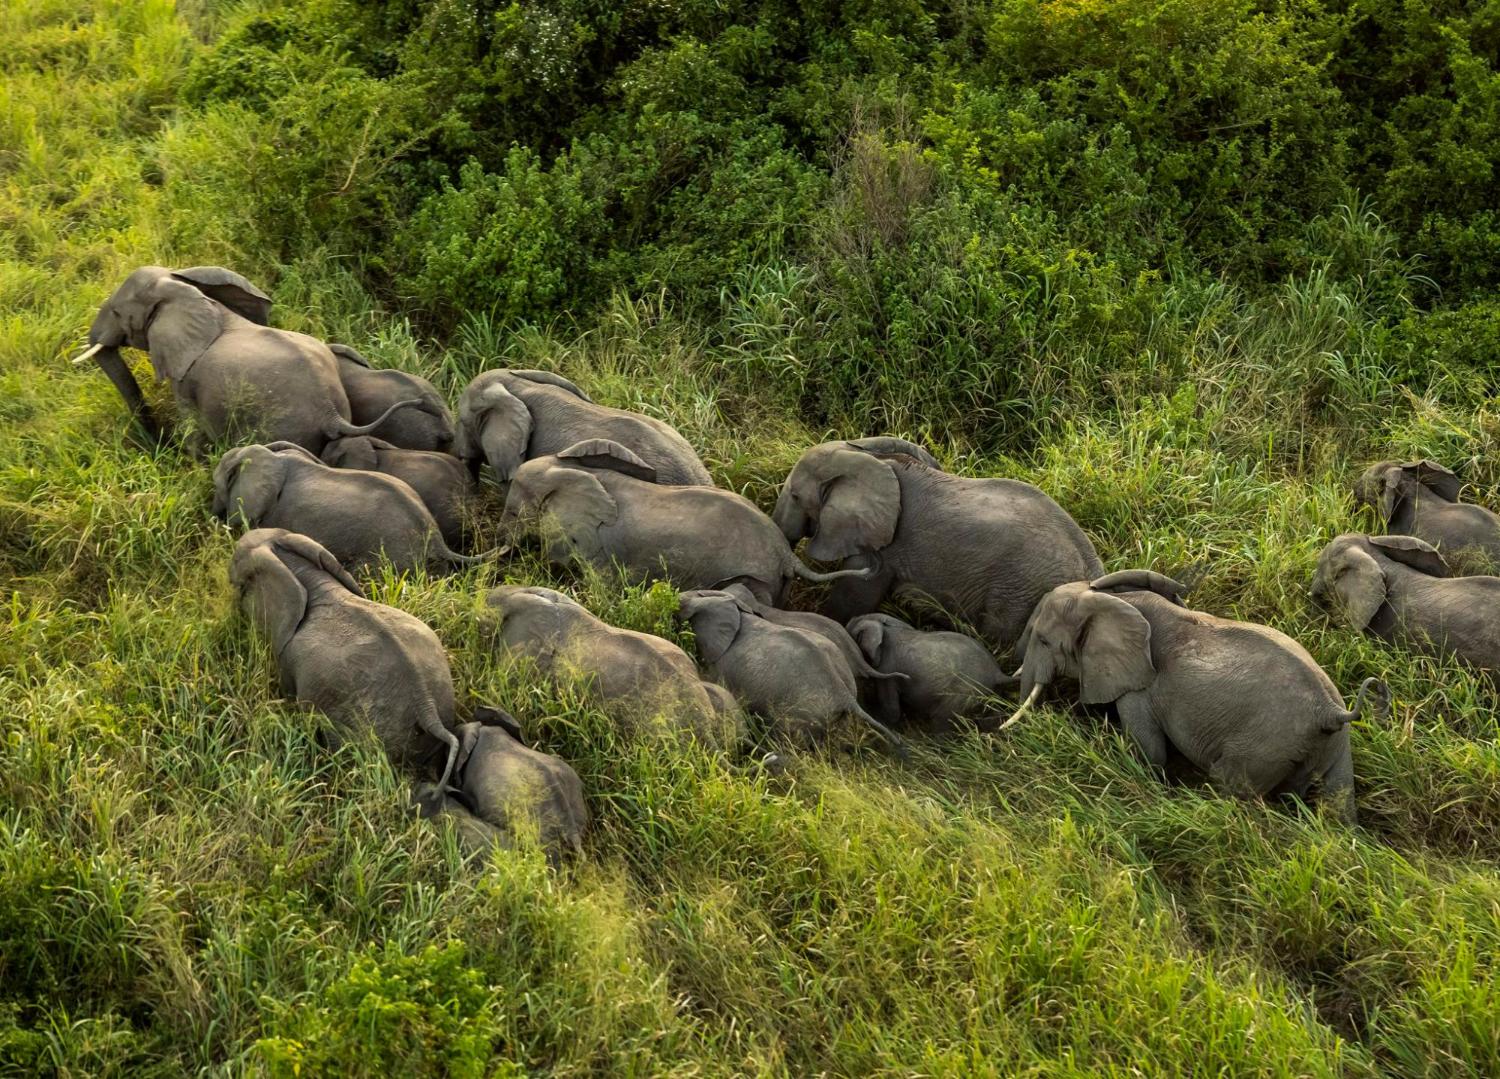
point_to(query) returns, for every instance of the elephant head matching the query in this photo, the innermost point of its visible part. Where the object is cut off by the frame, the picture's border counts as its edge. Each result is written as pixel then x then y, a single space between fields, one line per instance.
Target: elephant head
pixel 248 481
pixel 1351 580
pixel 564 486
pixel 715 617
pixel 494 424
pixel 355 451
pixel 869 632
pixel 845 498
pixel 264 574
pixel 1387 484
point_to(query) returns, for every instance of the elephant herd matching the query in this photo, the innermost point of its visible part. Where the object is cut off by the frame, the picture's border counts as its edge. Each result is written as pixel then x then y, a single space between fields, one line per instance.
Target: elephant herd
pixel 355 465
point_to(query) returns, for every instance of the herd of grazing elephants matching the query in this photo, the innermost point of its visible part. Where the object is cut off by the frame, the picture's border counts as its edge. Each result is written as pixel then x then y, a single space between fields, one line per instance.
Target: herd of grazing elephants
pixel 357 464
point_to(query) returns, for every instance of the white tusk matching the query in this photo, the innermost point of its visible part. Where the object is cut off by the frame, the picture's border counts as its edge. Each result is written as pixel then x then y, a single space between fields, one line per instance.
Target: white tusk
pixel 1036 691
pixel 1019 669
pixel 87 355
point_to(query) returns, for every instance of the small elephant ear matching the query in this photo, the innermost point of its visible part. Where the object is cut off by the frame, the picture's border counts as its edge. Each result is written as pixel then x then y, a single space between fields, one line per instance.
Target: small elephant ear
pixel 551 378
pixel 495 424
pixel 1113 645
pixel 356 451
pixel 869 633
pixel 489 716
pixel 1410 551
pixel 347 352
pixel 305 547
pixel 715 619
pixel 1437 479
pixel 230 289
pixel 580 506
pixel 1141 580
pixel 252 478
pixel 182 324
pixel 1359 583
pixel 742 596
pixel 889 444
pixel 603 454
pixel 275 595
pixel 860 505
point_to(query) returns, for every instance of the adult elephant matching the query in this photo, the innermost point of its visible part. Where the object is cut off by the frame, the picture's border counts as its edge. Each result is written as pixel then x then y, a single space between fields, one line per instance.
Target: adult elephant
pixel 205 331
pixel 509 416
pixel 983 551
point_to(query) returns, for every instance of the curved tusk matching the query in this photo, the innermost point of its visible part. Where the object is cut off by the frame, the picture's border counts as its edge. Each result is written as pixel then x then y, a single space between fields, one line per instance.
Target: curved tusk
pixel 1036 691
pixel 1019 669
pixel 87 355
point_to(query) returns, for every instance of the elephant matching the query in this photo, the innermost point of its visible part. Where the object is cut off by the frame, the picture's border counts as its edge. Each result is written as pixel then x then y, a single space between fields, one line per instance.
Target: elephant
pixel 440 479
pixel 1397 588
pixel 642 679
pixel 354 514
pixel 950 677
pixel 366 666
pixel 371 392
pixel 1245 704
pixel 1420 498
pixel 598 503
pixel 983 551
pixel 794 678
pixel 506 417
pixel 502 787
pixel 205 331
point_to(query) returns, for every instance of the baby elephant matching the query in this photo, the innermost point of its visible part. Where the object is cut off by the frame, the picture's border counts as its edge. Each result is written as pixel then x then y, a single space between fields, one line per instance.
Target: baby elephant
pixel 1242 702
pixel 501 788
pixel 1398 588
pixel 1420 498
pixel 795 678
pixel 440 479
pixel 599 503
pixel 949 677
pixel 364 665
pixel 354 514
pixel 634 676
pixel 426 426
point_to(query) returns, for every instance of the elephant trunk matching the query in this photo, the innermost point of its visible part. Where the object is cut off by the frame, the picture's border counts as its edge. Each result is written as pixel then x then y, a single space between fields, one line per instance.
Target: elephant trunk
pixel 118 372
pixel 790 518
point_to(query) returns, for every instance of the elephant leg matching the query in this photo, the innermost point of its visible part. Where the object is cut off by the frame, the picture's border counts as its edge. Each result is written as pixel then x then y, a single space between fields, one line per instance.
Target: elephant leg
pixel 1144 731
pixel 1338 783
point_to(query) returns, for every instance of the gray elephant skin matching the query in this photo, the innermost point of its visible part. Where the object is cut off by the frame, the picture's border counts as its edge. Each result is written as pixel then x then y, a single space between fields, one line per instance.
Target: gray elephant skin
pixel 205 331
pixel 598 503
pixel 982 551
pixel 1420 498
pixel 794 678
pixel 640 679
pixel 366 666
pixel 440 480
pixel 502 789
pixel 1397 588
pixel 950 678
pixel 1245 704
pixel 372 392
pixel 356 515
pixel 509 416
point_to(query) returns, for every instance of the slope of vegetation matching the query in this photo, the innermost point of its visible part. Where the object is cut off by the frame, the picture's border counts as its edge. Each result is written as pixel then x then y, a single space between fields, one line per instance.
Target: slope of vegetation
pixel 1186 264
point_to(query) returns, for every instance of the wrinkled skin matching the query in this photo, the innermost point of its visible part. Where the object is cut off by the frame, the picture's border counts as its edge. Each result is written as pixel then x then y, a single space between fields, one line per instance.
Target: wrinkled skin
pixel 356 515
pixel 372 392
pixel 596 503
pixel 440 479
pixel 509 416
pixel 951 679
pixel 1245 704
pixel 366 666
pixel 644 680
pixel 979 551
pixel 205 331
pixel 1420 498
pixel 1397 588
pixel 502 789
pixel 794 678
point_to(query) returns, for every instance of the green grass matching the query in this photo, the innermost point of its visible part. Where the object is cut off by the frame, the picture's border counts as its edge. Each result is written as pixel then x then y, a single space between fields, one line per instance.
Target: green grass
pixel 190 882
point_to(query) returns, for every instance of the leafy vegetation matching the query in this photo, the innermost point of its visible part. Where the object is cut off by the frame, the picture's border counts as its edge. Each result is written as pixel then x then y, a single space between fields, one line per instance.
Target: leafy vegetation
pixel 1186 264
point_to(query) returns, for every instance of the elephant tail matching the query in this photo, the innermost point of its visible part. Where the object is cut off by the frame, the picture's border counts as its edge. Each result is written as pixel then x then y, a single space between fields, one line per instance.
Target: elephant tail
pixel 896 743
pixel 432 723
pixel 802 570
pixel 1381 703
pixel 337 426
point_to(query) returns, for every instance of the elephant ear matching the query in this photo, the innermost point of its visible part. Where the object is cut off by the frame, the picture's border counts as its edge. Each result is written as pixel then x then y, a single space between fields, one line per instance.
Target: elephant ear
pixel 1437 479
pixel 550 378
pixel 579 506
pixel 601 453
pixel 276 598
pixel 1141 580
pixel 869 633
pixel 742 596
pixel 495 424
pixel 1113 645
pixel 1359 583
pixel 231 290
pixel 356 451
pixel 183 323
pixel 860 502
pixel 1410 551
pixel 347 352
pixel 294 544
pixel 252 480
pixel 489 716
pixel 715 619
pixel 889 444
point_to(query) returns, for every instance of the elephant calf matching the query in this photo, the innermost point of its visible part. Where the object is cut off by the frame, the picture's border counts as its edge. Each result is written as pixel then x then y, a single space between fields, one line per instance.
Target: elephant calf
pixel 636 676
pixel 364 665
pixel 355 514
pixel 795 678
pixel 949 677
pixel 502 789
pixel 1420 498
pixel 1397 588
pixel 599 503
pixel 1240 701
pixel 440 479
pixel 426 426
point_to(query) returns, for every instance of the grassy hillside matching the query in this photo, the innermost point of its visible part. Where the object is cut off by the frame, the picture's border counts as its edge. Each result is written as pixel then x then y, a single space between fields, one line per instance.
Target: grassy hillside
pixel 1186 264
